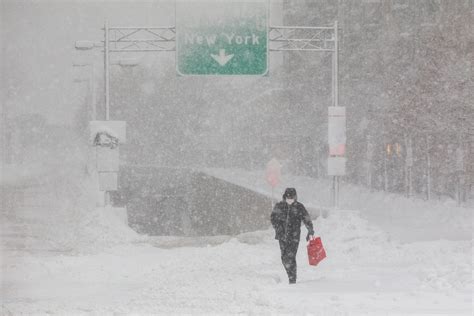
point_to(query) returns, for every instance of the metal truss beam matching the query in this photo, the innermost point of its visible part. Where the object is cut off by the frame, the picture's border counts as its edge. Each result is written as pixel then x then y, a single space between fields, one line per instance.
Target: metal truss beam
pixel 302 38
pixel 281 38
pixel 142 39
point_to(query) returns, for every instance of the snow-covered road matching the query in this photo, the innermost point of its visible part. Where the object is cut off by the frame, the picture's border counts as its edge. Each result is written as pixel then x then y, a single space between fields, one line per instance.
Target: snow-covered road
pixel 104 268
pixel 362 275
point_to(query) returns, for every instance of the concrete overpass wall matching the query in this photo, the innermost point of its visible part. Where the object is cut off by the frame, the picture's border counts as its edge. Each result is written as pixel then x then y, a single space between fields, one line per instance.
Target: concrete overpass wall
pixel 184 202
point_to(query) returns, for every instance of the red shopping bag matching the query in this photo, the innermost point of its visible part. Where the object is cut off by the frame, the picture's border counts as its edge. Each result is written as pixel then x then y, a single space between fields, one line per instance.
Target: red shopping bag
pixel 316 251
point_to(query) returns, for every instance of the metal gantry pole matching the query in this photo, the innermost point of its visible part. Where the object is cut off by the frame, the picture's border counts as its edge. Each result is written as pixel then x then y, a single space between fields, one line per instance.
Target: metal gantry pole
pixel 336 66
pixel 106 70
pixel 94 101
pixel 335 96
pixel 106 89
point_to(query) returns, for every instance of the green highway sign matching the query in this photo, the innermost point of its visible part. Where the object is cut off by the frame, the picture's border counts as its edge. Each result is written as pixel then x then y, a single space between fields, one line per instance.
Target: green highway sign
pixel 222 37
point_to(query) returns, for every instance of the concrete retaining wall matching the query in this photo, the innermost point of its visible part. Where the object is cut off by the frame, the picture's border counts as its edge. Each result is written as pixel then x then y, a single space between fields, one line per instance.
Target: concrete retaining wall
pixel 184 202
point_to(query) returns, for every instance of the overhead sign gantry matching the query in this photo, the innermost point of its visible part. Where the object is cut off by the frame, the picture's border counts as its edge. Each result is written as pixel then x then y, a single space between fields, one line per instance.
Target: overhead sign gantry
pixel 218 37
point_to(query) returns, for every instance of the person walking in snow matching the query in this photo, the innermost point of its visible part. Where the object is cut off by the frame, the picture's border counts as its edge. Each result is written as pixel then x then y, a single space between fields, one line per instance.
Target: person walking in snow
pixel 286 219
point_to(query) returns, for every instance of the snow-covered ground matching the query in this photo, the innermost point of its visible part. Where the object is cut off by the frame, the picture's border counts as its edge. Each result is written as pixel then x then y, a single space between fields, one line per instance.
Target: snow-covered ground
pixel 386 256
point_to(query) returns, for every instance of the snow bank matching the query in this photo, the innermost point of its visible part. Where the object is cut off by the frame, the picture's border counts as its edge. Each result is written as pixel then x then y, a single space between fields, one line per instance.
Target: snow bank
pixel 443 266
pixel 55 204
pixel 410 219
pixel 82 226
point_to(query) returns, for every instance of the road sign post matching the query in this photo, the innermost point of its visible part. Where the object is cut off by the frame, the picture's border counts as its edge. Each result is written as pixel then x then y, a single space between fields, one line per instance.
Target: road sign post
pixel 273 175
pixel 219 37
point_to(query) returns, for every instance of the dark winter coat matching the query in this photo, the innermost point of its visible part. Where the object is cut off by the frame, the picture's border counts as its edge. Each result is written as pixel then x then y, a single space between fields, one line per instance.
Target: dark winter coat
pixel 286 220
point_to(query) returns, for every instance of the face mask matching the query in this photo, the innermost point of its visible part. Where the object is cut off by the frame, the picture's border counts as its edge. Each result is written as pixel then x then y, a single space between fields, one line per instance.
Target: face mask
pixel 290 201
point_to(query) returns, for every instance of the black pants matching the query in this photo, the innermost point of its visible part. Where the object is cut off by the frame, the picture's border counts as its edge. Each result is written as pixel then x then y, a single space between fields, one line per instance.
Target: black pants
pixel 288 258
